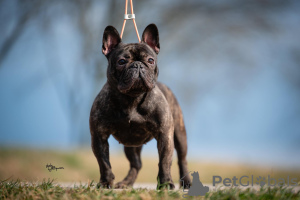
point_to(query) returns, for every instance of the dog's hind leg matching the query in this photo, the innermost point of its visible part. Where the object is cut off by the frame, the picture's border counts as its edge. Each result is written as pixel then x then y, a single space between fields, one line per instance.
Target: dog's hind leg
pixel 133 154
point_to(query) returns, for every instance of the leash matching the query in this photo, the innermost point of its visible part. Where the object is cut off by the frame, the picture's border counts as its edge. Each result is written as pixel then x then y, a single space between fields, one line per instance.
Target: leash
pixel 129 16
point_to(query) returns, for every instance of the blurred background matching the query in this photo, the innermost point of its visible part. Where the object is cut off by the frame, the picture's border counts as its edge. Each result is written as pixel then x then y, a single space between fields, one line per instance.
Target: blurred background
pixel 233 65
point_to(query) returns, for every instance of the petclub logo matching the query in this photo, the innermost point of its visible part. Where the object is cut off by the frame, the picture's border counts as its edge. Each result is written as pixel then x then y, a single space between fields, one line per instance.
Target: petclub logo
pixel 251 180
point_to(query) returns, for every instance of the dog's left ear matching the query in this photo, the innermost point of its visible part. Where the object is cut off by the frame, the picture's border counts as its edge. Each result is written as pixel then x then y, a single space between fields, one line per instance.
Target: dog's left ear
pixel 151 37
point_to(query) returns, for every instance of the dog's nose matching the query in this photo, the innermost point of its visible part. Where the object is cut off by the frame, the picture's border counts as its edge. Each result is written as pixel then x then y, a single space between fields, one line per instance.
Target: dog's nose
pixel 137 64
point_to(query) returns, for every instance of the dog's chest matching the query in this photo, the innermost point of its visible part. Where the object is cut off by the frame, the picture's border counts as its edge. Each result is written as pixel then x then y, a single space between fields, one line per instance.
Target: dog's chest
pixel 132 128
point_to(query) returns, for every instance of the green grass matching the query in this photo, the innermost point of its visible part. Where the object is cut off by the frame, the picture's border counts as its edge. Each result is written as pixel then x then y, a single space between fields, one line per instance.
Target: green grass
pixel 47 189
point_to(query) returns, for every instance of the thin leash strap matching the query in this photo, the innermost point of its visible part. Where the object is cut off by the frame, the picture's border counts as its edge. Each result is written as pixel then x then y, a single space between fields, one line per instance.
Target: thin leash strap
pixel 129 16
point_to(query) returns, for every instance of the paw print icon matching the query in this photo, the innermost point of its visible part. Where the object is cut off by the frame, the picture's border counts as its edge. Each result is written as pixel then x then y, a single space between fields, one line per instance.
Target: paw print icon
pixel 261 181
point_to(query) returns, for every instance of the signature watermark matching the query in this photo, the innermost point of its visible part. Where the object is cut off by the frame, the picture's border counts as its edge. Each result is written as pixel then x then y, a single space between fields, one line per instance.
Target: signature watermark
pixel 52 167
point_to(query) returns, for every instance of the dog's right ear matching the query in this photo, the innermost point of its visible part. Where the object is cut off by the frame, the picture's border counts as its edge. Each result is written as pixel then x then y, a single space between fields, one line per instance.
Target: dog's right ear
pixel 111 39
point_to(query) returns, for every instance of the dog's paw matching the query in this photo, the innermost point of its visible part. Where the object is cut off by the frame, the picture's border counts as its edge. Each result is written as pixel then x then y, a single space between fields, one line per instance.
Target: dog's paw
pixel 106 182
pixel 122 185
pixel 186 183
pixel 165 186
pixel 105 185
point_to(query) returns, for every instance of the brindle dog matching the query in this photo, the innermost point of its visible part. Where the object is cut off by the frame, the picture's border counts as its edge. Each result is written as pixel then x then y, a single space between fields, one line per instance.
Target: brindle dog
pixel 134 108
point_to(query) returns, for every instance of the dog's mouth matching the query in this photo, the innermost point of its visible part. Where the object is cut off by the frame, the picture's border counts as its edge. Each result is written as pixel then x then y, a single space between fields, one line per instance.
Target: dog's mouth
pixel 136 81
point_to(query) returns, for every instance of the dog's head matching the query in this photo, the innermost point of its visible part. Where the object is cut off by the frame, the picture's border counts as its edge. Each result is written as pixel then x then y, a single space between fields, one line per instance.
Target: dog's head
pixel 132 68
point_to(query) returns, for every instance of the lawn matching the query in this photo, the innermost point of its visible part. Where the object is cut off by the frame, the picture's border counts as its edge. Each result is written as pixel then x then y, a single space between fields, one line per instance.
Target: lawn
pixel 49 190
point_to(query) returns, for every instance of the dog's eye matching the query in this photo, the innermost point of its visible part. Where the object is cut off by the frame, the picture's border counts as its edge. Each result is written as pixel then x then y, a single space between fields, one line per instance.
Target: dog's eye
pixel 122 62
pixel 151 60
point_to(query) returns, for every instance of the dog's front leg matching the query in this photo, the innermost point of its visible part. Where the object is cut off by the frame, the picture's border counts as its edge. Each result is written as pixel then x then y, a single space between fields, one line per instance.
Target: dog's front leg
pixel 100 148
pixel 165 145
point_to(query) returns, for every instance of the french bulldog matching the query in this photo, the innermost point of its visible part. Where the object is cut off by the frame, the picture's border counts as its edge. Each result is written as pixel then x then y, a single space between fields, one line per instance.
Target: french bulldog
pixel 134 108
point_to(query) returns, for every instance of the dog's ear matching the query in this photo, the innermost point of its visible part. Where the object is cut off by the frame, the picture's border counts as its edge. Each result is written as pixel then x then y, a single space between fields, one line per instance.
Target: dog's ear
pixel 151 37
pixel 111 39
